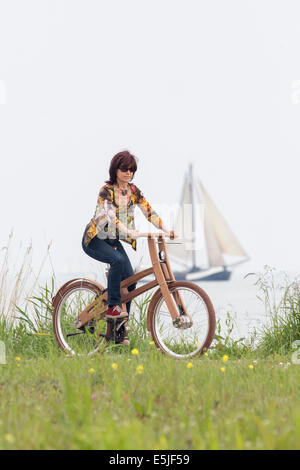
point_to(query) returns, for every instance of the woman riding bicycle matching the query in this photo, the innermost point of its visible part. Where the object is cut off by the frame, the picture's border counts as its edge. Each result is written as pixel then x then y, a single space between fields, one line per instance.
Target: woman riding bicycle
pixel 113 221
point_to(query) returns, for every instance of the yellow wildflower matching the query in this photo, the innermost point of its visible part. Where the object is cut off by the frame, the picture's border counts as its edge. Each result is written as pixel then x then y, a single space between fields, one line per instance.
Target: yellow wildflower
pixel 17 358
pixel 114 365
pixel 222 369
pixel 134 351
pixel 151 342
pixel 140 369
pixel 251 366
pixel 91 370
pixel 206 354
pixel 225 358
pixel 42 334
pixel 189 365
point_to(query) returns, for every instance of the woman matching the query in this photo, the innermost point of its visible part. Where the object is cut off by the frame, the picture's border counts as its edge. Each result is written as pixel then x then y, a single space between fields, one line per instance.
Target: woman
pixel 114 220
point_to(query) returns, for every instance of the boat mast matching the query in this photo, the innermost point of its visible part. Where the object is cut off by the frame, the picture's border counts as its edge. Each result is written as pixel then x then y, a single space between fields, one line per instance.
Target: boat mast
pixel 193 211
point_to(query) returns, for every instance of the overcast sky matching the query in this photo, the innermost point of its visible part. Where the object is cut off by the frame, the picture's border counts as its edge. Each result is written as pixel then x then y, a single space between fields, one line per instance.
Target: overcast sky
pixel 216 83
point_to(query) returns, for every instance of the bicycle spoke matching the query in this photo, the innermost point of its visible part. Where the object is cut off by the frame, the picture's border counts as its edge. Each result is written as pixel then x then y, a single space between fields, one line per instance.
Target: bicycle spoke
pixel 180 342
pixel 85 341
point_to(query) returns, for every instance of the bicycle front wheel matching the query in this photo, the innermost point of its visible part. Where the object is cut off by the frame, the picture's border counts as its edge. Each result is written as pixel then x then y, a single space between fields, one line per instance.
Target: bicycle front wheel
pixel 194 339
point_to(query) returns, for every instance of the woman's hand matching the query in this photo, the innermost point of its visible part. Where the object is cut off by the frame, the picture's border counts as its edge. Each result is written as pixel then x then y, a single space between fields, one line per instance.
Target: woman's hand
pixel 172 234
pixel 133 233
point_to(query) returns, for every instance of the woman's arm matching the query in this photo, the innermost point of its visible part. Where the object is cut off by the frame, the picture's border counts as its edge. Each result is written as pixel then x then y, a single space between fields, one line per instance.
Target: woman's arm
pixel 152 216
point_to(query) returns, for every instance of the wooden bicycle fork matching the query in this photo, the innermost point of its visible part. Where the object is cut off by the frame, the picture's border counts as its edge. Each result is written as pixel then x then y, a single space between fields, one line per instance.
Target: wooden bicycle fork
pixel 164 275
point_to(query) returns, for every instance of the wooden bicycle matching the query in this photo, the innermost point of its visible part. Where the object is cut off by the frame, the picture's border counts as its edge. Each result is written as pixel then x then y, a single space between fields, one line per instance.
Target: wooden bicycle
pixel 180 315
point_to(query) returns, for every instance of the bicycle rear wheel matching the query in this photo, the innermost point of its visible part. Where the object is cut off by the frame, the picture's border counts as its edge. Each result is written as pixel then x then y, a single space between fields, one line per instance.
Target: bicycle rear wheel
pixel 75 298
pixel 195 338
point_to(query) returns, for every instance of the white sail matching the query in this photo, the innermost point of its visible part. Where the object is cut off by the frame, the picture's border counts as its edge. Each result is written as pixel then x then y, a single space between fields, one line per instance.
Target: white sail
pixel 214 253
pixel 183 223
pixel 227 241
pixel 190 227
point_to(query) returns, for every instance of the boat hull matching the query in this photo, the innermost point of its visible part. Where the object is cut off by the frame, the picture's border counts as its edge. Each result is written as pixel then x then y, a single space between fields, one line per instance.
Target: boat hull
pixel 218 276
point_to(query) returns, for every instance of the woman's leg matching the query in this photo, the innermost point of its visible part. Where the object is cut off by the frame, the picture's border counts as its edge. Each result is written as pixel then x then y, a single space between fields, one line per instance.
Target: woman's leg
pixel 103 251
pixel 127 271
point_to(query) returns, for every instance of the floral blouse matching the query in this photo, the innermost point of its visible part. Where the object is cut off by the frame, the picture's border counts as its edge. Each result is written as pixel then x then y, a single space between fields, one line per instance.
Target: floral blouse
pixel 108 215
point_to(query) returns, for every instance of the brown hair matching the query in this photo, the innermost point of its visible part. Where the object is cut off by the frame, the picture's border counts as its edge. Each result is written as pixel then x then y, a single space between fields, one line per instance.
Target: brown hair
pixel 123 158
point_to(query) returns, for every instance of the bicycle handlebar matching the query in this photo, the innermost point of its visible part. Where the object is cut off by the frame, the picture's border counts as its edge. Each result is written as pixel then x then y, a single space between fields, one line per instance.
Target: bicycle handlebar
pixel 153 235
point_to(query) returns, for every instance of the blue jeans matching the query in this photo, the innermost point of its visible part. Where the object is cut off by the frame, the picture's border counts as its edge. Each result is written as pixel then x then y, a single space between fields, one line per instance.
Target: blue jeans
pixel 120 266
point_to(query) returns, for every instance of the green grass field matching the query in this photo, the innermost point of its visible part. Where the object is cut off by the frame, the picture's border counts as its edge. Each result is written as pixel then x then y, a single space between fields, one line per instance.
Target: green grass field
pixel 149 401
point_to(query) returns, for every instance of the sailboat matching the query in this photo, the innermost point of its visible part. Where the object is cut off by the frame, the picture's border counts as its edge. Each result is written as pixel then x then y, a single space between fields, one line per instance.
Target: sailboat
pixel 208 246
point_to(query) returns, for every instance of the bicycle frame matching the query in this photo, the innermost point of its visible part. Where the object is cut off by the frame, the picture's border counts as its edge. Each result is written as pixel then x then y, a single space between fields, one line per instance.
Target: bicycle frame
pixel 163 273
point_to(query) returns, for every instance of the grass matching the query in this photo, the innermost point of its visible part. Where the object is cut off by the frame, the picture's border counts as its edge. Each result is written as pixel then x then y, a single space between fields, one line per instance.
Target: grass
pixel 111 402
pixel 239 395
pixel 229 398
pixel 18 279
pixel 282 304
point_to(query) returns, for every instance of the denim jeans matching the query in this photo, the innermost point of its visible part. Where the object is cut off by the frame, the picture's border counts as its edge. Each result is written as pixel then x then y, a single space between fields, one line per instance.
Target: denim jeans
pixel 120 266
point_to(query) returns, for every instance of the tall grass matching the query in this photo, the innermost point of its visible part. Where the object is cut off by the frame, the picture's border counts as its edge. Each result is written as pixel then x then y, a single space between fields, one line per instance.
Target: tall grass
pixel 139 336
pixel 224 343
pixel 18 279
pixel 25 306
pixel 282 305
pixel 13 278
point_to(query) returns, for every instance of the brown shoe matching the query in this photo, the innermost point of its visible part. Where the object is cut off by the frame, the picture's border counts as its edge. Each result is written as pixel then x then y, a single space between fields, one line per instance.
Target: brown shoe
pixel 125 342
pixel 115 312
pixel 124 325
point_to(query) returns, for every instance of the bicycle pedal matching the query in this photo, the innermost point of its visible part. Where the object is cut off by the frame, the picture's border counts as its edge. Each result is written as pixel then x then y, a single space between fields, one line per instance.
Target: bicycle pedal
pixel 78 323
pixel 115 320
pixel 118 325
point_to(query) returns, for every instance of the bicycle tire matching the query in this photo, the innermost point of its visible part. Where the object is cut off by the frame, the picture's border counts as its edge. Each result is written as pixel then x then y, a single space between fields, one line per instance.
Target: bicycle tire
pixel 60 299
pixel 190 347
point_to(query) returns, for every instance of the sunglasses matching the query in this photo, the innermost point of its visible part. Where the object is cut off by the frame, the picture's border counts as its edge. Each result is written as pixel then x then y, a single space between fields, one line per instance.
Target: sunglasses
pixel 124 169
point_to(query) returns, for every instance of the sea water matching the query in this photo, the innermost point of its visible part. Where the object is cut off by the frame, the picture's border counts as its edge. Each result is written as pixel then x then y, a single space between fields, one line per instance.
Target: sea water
pixel 250 303
pixel 241 301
